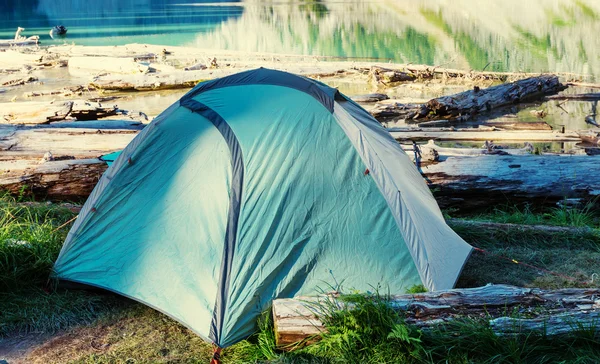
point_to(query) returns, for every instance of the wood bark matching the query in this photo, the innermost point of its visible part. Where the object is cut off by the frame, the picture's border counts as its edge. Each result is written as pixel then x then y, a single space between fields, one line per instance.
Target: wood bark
pixel 67 142
pixel 480 182
pixel 482 134
pixel 590 137
pixel 58 162
pixel 68 179
pixel 386 76
pixel 466 105
pixel 552 326
pixel 47 112
pixel 430 148
pixel 516 125
pixel 297 320
pixel 107 64
pixel 369 98
pixel 150 81
pixel 33 40
pixel 465 179
pixel 576 97
pixel 16 80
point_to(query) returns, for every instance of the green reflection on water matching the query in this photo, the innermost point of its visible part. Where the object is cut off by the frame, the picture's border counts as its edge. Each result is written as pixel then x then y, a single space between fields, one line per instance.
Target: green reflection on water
pixel 509 35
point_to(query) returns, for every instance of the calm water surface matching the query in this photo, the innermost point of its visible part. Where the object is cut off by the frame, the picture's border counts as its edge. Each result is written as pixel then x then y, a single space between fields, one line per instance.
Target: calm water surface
pixel 507 35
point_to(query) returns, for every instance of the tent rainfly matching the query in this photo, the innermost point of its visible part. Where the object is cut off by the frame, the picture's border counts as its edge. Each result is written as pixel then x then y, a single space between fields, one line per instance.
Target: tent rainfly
pixel 252 187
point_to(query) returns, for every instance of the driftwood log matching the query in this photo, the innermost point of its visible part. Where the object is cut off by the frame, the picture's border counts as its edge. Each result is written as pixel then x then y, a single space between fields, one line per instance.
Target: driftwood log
pixel 150 81
pixel 16 80
pixel 68 179
pixel 465 105
pixel 576 97
pixel 386 76
pixel 480 182
pixel 47 112
pixel 33 143
pixel 590 137
pixel 107 64
pixel 466 178
pixel 430 148
pixel 369 98
pixel 551 312
pixel 482 134
pixel 516 125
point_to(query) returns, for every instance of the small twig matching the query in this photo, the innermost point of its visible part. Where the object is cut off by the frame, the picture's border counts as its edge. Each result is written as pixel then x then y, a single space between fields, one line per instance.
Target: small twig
pixel 65 224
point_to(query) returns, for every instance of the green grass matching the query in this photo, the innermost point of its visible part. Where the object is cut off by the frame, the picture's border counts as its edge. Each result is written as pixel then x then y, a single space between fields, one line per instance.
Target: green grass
pixel 572 254
pixel 30 240
pixel 585 216
pixel 29 243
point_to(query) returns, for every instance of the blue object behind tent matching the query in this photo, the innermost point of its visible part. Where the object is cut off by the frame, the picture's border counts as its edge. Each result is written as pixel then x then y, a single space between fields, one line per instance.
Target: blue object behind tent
pixel 111 157
pixel 253 187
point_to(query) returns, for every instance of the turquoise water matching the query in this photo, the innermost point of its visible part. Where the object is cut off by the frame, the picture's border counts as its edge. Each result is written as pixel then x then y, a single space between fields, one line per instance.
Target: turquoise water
pixel 113 22
pixel 508 35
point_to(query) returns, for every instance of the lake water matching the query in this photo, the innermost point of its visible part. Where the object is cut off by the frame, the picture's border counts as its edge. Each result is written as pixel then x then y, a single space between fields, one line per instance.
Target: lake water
pixel 507 35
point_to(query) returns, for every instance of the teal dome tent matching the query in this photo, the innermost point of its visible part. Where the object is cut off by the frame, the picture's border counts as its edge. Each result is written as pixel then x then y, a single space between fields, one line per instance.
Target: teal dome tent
pixel 252 187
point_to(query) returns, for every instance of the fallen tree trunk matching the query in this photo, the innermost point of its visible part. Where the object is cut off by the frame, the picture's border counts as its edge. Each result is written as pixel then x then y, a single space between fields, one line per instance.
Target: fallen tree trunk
pixel 576 97
pixel 369 98
pixel 16 80
pixel 516 125
pixel 465 105
pixel 47 112
pixel 590 137
pixel 107 64
pixel 386 76
pixel 68 179
pixel 71 142
pixel 298 321
pixel 476 183
pixel 150 81
pixel 553 325
pixel 424 134
pixel 432 149
pixel 465 182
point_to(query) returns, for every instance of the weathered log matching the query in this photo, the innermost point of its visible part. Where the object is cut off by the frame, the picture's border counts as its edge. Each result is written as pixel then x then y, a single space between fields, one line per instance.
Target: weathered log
pixel 468 104
pixel 481 134
pixel 386 76
pixel 74 142
pixel 58 180
pixel 69 91
pixel 47 112
pixel 298 321
pixel 583 84
pixel 34 112
pixel 444 152
pixel 16 80
pixel 576 97
pixel 150 81
pixel 12 58
pixel 107 64
pixel 516 125
pixel 501 123
pixel 29 41
pixel 479 182
pixel 368 98
pixel 590 137
pixel 563 324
